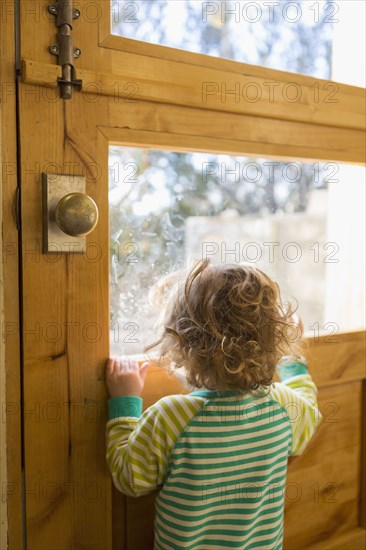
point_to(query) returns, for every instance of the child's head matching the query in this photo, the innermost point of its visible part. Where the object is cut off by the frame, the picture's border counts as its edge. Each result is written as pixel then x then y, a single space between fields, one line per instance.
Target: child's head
pixel 225 324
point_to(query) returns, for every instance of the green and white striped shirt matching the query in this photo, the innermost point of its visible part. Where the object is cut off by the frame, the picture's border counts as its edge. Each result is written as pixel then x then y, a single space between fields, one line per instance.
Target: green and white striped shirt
pixel 218 457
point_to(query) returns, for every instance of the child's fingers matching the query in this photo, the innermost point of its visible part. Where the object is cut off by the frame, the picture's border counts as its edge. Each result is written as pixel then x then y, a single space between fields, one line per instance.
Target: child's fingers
pixel 124 365
pixel 134 365
pixel 143 370
pixel 110 366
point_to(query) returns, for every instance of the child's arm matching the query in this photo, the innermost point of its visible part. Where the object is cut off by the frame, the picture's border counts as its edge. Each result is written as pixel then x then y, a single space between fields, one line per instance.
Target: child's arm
pixel 297 393
pixel 139 445
pixel 135 442
pixel 136 446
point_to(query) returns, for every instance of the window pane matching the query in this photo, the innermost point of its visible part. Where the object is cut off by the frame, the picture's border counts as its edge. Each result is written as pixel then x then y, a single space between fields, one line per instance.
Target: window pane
pixel 301 223
pixel 289 36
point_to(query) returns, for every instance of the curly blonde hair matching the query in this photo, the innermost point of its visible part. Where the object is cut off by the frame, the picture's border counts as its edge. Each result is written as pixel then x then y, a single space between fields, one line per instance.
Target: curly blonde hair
pixel 225 325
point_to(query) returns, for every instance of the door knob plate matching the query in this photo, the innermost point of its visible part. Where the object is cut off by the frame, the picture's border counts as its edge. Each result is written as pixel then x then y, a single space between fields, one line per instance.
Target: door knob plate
pixel 55 189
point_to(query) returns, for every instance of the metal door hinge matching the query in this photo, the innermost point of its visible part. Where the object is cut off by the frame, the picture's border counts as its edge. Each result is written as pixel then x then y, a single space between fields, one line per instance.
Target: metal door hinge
pixel 65 14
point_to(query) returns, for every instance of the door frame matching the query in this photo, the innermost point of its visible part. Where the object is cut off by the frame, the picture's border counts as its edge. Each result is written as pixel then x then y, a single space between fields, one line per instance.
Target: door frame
pixel 343 124
pixel 11 508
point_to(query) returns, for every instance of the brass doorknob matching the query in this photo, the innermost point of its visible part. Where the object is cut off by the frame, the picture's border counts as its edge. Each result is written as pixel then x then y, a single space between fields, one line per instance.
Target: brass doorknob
pixel 76 214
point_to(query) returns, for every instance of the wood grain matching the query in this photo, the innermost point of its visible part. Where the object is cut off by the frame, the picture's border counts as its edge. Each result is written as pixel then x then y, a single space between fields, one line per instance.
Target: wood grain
pixel 337 359
pixel 10 462
pixel 323 484
pixel 210 89
pixel 353 540
pixel 65 338
pixel 64 390
pixel 240 134
pixel 283 151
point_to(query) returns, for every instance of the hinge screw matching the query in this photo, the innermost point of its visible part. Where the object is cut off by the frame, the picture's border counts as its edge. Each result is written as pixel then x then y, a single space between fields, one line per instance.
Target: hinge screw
pixel 76 13
pixel 54 49
pixel 77 52
pixel 52 9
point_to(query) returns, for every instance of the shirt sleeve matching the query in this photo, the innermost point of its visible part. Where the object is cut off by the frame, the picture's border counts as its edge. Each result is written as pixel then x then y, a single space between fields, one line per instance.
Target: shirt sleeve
pixel 297 393
pixel 139 444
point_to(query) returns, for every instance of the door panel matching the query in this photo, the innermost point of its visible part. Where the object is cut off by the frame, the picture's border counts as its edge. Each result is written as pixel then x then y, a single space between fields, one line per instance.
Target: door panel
pixel 65 341
pixel 69 500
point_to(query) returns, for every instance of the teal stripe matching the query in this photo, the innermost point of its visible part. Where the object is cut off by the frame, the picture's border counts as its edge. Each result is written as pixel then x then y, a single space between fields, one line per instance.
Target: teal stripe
pixel 221 512
pixel 226 404
pixel 227 521
pixel 233 463
pixel 241 432
pixel 215 393
pixel 199 507
pixel 255 479
pixel 269 542
pixel 261 545
pixel 233 491
pixel 232 443
pixel 217 532
pixel 194 475
pixel 226 407
pixel 205 494
pixel 244 452
pixel 192 498
pixel 267 415
pixel 202 477
pixel 255 404
pixel 266 420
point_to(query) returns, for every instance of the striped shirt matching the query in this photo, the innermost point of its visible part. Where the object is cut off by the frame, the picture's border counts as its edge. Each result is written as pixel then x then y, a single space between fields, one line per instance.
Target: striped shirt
pixel 219 459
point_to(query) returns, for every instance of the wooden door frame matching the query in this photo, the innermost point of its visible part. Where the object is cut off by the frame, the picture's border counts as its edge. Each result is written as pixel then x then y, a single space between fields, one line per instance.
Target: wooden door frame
pixel 10 382
pixel 345 132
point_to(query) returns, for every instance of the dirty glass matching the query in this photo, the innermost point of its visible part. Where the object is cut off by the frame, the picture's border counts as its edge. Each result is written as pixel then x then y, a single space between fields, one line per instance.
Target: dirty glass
pixel 290 36
pixel 296 221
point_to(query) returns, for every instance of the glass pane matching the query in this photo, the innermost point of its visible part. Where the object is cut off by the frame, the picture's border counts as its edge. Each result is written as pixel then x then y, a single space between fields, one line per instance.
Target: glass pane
pixel 301 223
pixel 289 36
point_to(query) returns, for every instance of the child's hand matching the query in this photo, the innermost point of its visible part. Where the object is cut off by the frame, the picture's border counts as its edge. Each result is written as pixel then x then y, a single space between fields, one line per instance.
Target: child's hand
pixel 125 377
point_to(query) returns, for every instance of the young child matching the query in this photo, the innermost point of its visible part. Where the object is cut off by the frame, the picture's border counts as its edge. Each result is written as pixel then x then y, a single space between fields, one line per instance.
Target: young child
pixel 218 454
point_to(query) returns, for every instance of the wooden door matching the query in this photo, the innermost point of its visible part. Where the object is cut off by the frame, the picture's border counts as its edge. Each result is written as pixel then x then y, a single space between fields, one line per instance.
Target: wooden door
pixel 148 96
